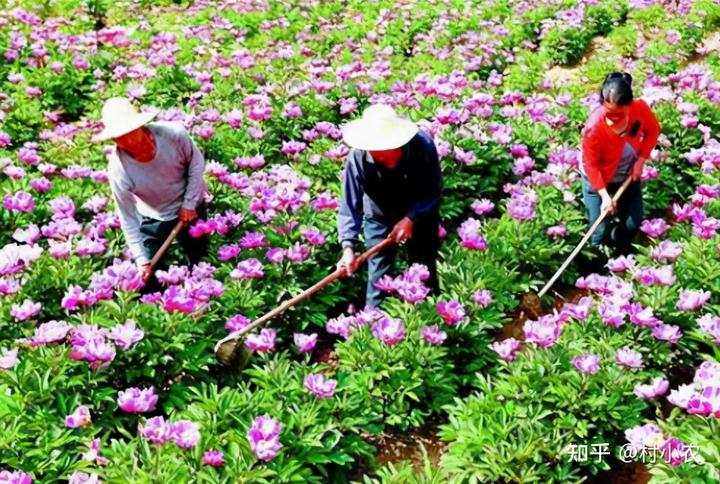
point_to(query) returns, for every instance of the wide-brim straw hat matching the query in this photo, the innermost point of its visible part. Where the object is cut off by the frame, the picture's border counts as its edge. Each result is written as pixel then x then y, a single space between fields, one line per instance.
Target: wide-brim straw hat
pixel 119 117
pixel 379 128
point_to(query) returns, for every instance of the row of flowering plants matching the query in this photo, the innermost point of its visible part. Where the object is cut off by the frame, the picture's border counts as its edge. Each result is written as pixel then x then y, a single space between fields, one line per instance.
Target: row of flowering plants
pixel 99 383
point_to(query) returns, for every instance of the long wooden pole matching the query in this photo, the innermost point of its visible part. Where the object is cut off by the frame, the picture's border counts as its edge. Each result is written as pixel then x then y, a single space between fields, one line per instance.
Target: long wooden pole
pixel 584 240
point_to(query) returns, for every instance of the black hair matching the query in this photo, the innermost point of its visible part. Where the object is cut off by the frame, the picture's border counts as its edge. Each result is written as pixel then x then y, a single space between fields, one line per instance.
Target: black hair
pixel 617 89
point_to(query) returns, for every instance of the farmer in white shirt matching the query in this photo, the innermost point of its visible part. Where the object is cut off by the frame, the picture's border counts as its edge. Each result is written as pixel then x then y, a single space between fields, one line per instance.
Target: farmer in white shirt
pixel 155 173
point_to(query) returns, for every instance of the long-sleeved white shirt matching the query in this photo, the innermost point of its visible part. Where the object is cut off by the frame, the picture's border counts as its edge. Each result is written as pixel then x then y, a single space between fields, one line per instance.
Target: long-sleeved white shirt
pixel 157 188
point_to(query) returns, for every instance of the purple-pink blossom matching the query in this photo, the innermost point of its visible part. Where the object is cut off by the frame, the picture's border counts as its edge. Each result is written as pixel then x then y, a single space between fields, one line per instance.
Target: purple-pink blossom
pixel 433 334
pixel 319 386
pixel 451 311
pixel 656 388
pixel 185 434
pixel 305 342
pixel 587 363
pixel 628 358
pixel 389 330
pixel 506 349
pixel 691 300
pixel 263 341
pixel 214 458
pixel 544 332
pixel 156 430
pixel 264 437
pixel 136 400
pixel 79 418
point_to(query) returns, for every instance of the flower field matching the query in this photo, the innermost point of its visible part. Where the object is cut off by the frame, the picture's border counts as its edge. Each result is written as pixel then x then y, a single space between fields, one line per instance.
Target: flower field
pixel 101 384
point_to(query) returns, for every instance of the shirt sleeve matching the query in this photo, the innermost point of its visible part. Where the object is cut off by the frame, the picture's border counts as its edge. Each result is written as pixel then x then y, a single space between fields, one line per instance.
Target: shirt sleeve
pixel 125 203
pixel 430 182
pixel 196 171
pixel 650 129
pixel 591 158
pixel 349 219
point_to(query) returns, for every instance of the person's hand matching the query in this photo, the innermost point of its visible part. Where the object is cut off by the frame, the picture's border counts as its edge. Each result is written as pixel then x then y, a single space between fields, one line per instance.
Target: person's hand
pixel 638 169
pixel 186 216
pixel 347 261
pixel 607 202
pixel 146 271
pixel 402 231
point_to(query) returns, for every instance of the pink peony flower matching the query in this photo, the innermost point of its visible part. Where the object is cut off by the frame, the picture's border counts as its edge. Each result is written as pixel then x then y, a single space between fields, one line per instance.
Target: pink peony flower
pixel 628 358
pixel 692 300
pixel 506 348
pixel 264 437
pixel 389 330
pixel 265 341
pixel 156 430
pixel 452 311
pixel 126 335
pixel 319 386
pixel 305 343
pixel 433 334
pixel 79 418
pixel 185 434
pixel 135 400
pixel 213 458
pixel 544 332
pixel 657 388
pixel 587 363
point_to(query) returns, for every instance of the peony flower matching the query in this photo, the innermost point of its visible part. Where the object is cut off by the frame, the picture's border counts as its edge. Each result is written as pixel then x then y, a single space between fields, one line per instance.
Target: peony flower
pixel 156 430
pixel 264 437
pixel 305 343
pixel 236 323
pixel 126 335
pixel 483 297
pixel 470 236
pixel 135 400
pixel 319 386
pixel 79 418
pixel 543 332
pixel 667 332
pixel 587 363
pixel 452 311
pixel 93 453
pixel 506 348
pixel 628 357
pixel 213 458
pixel 433 334
pixel 654 228
pixel 265 341
pixel 692 300
pixel 621 264
pixel 657 388
pixel 8 358
pixel 389 330
pixel 26 310
pixel 185 434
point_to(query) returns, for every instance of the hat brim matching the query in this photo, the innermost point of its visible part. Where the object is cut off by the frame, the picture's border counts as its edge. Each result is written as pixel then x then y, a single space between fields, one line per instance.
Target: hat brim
pixel 364 135
pixel 111 132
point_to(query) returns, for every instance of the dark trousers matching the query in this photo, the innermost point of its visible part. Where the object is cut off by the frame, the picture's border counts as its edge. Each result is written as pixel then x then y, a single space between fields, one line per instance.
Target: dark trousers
pixel 155 232
pixel 422 248
pixel 629 213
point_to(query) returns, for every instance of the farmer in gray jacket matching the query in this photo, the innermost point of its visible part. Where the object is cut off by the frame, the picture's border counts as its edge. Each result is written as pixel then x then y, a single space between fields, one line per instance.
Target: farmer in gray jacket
pixel 156 177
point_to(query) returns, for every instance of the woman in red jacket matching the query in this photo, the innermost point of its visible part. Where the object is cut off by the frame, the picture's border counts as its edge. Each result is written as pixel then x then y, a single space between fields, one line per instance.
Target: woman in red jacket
pixel 616 141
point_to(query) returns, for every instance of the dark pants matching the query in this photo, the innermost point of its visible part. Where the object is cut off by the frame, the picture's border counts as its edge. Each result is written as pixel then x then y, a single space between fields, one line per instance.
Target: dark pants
pixel 422 248
pixel 155 232
pixel 629 213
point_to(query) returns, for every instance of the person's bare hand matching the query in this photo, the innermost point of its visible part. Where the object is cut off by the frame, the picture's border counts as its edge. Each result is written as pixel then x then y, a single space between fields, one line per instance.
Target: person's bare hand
pixel 186 216
pixel 607 203
pixel 347 261
pixel 402 231
pixel 638 169
pixel 146 270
